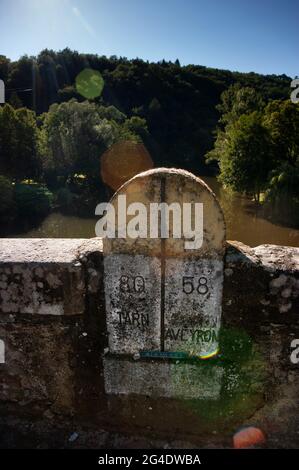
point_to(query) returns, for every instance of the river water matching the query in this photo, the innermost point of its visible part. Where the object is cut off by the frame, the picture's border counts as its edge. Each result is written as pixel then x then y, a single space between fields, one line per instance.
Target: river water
pixel 242 223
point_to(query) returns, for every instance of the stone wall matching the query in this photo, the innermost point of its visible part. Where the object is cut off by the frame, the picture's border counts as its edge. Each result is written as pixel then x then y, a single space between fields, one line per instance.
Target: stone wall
pixel 52 326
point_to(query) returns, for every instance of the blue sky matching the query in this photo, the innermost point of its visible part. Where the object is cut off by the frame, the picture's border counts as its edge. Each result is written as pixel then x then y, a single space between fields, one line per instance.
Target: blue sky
pixel 244 35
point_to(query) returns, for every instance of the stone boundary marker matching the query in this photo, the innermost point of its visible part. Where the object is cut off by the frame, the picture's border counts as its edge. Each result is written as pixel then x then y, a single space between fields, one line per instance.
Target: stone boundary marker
pixel 163 299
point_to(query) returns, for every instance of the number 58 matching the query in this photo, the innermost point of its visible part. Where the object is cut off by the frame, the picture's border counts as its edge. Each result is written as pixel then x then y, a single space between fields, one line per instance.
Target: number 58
pixel 190 284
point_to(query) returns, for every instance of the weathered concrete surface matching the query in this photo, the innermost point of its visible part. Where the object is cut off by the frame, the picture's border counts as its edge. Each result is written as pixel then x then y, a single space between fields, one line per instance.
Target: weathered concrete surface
pixel 193 299
pixel 171 186
pixel 41 277
pixel 164 379
pixel 177 305
pixel 133 302
pixel 56 434
pixel 37 376
pixel 53 374
pixel 261 282
pixel 261 297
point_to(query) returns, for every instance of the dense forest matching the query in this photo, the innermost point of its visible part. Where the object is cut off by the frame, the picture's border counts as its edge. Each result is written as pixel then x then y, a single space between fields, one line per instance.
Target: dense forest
pixel 52 138
pixel 178 103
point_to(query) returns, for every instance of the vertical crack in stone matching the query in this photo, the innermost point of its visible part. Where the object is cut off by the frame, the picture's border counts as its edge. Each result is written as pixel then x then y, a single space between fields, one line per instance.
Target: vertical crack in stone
pixel 163 265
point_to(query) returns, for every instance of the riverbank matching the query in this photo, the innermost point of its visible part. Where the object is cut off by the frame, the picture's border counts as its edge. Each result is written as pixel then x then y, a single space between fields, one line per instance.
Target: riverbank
pixel 245 221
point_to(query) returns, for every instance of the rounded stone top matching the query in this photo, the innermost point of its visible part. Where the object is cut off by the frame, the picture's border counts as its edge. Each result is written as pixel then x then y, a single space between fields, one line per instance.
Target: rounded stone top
pixel 167 199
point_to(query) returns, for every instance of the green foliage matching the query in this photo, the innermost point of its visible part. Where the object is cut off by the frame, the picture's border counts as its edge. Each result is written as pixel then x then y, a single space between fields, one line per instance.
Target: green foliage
pixel 135 127
pixel 260 151
pixel 64 198
pixel 154 107
pixel 67 93
pixel 236 101
pixel 281 118
pixel 4 68
pixel 245 155
pixel 243 378
pixel 111 114
pixel 18 143
pixel 32 200
pixel 6 196
pixel 15 101
pixel 282 196
pixel 74 135
pixel 177 102
pixel 172 109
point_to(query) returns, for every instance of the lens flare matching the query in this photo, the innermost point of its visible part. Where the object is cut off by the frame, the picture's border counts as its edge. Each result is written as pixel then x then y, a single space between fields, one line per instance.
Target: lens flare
pixel 249 437
pixel 89 83
pixel 212 354
pixel 122 161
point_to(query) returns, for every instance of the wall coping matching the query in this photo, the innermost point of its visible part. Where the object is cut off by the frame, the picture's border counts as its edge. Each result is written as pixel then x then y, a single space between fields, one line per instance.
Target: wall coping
pixel 56 276
pixel 69 250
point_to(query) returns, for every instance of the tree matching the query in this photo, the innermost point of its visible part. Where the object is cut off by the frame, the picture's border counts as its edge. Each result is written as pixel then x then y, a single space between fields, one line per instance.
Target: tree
pixel 234 103
pixel 154 107
pixel 282 195
pixel 33 201
pixel 8 140
pixel 183 116
pixel 245 158
pixel 18 143
pixel 135 128
pixel 4 68
pixel 238 100
pixel 75 135
pixel 15 101
pixel 27 163
pixel 6 197
pixel 281 118
pixel 69 138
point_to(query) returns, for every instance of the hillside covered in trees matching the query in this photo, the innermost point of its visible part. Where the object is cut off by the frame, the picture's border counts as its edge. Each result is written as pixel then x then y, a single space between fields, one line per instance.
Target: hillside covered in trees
pixel 52 137
pixel 178 103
